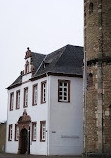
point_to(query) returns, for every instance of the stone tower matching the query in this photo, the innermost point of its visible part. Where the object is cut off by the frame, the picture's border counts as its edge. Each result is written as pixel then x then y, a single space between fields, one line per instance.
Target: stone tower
pixel 97 74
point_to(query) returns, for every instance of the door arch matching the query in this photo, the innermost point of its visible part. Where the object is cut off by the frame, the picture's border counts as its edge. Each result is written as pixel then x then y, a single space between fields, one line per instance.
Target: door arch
pixel 24 133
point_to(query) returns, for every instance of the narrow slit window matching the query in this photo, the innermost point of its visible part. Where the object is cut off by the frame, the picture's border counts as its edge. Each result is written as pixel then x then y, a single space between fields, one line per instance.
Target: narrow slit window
pixel 90 80
pixel 91 6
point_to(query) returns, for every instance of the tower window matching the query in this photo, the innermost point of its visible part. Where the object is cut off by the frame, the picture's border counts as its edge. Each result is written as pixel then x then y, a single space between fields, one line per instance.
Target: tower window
pixel 91 6
pixel 110 111
pixel 90 80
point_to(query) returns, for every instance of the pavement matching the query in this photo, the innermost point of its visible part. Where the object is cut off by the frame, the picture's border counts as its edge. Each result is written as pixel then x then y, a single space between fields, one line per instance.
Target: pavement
pixel 6 155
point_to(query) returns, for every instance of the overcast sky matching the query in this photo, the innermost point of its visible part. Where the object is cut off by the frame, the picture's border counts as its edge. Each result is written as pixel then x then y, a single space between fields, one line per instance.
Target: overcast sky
pixel 42 25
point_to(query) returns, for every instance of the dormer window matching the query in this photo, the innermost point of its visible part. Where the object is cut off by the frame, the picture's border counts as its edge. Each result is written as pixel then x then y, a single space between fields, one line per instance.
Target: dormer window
pixel 27 67
pixel 45 64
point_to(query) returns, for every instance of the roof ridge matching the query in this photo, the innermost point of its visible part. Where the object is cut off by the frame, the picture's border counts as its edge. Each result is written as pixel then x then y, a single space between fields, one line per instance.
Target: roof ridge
pixel 37 53
pixel 63 49
pixel 40 65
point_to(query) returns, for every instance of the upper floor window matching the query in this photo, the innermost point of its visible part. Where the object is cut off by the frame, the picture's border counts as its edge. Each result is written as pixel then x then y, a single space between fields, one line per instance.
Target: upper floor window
pixel 63 90
pixel 18 99
pixel 34 126
pixel 43 92
pixel 16 132
pixel 10 133
pixel 42 131
pixel 27 67
pixel 35 91
pixel 26 97
pixel 91 8
pixel 11 101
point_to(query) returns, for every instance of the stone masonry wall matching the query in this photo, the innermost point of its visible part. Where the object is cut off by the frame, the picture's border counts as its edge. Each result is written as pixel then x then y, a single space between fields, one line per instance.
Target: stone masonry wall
pixel 97 102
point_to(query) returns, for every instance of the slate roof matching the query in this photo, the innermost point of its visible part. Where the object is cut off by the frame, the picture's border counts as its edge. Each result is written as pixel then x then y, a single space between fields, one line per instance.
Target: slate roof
pixel 67 60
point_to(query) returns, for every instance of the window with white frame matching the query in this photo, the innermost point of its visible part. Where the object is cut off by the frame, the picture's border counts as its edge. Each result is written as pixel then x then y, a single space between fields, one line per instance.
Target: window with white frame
pixel 42 131
pixel 35 91
pixel 18 99
pixel 16 132
pixel 10 133
pixel 63 90
pixel 27 67
pixel 34 130
pixel 43 92
pixel 26 97
pixel 11 101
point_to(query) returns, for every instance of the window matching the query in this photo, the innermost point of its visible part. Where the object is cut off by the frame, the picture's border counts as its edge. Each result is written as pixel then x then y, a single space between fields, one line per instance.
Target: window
pixel 27 67
pixel 17 99
pixel 11 101
pixel 42 131
pixel 16 132
pixel 34 102
pixel 43 92
pixel 90 8
pixel 34 124
pixel 26 97
pixel 110 111
pixel 63 90
pixel 10 133
pixel 90 80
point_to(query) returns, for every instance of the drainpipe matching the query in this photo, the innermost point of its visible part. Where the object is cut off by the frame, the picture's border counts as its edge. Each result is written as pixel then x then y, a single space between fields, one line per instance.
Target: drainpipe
pixel 29 140
pixel 48 112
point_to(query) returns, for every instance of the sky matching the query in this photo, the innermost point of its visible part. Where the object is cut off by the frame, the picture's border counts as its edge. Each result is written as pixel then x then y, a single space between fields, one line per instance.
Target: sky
pixel 42 25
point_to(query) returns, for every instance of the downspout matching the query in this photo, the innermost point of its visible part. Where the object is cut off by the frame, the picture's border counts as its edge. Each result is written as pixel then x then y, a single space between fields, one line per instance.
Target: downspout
pixel 48 113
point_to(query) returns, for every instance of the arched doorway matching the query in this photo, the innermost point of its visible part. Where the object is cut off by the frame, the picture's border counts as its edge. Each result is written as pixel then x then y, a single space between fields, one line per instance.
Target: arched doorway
pixel 24 133
pixel 24 141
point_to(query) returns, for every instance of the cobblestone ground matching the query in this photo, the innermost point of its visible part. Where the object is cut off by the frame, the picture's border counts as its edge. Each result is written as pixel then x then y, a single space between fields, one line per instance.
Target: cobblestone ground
pixel 4 155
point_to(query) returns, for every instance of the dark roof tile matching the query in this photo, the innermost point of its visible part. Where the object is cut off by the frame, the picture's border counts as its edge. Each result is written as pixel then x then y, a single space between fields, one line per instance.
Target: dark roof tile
pixel 66 60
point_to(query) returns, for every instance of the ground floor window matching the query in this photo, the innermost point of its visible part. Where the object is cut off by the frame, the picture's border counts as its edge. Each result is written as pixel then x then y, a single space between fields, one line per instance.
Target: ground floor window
pixel 10 133
pixel 42 131
pixel 34 130
pixel 16 132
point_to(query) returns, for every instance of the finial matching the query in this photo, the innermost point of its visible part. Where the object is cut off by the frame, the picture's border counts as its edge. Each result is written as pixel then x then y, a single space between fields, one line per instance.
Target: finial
pixel 28 48
pixel 25 112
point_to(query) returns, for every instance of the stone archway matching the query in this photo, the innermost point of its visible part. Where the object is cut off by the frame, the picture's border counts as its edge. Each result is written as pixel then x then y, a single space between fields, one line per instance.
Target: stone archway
pixel 24 133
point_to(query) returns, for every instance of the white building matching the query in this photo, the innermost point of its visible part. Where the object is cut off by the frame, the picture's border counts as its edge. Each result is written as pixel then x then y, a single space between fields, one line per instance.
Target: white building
pixel 45 110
